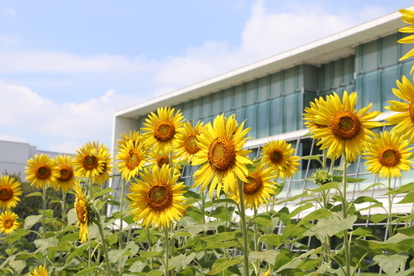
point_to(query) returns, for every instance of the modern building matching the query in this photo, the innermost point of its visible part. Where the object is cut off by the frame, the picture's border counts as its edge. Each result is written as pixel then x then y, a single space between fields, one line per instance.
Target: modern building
pixel 14 156
pixel 271 94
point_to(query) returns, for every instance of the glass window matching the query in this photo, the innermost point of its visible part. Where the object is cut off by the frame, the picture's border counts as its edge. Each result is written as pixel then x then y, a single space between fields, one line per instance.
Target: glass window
pixel 206 107
pixel 275 85
pixel 239 96
pixel 251 120
pixel 389 51
pixel 276 116
pixel 370 91
pixel 263 88
pixel 251 92
pixel 228 99
pixel 263 119
pixel 369 56
pixel 289 82
pixel 217 103
pixel 292 112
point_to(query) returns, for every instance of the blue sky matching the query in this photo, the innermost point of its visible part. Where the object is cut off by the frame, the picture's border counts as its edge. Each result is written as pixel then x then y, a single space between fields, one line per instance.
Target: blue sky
pixel 67 66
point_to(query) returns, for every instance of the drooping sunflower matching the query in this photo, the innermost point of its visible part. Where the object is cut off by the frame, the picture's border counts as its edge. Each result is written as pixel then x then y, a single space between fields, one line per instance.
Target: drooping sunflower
pixel 8 222
pixel 83 212
pixel 221 156
pixel 404 120
pixel 387 155
pixel 89 160
pixel 40 271
pixel 186 143
pixel 161 128
pixel 67 174
pixel 160 159
pixel 278 155
pixel 133 135
pixel 132 158
pixel 10 190
pixel 311 112
pixel 157 198
pixel 258 189
pixel 407 17
pixel 346 128
pixel 41 171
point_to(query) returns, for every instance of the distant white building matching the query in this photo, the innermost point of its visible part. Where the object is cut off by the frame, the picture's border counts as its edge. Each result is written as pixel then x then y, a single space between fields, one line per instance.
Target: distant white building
pixel 14 156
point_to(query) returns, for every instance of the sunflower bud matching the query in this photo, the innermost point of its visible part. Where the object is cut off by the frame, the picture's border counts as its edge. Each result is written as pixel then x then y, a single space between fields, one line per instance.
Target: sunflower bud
pixel 322 177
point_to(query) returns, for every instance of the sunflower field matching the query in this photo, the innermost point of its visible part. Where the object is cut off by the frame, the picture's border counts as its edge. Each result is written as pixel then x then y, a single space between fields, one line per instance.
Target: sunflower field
pixel 229 221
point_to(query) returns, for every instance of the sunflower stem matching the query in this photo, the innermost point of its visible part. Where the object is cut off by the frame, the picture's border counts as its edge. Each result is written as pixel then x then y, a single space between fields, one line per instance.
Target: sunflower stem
pixel 244 229
pixel 44 211
pixel 203 216
pixel 63 206
pixel 149 245
pixel 105 249
pixel 389 224
pixel 256 242
pixel 166 244
pixel 121 209
pixel 345 215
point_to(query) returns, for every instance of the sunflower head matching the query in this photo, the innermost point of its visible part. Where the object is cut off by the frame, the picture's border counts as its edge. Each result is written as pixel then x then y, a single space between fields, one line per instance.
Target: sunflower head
pixel 186 143
pixel 321 177
pixel 161 128
pixel 39 271
pixel 41 171
pixel 67 173
pixel 278 155
pixel 259 187
pixel 160 159
pixel 221 155
pixel 8 222
pixel 346 128
pixel 90 159
pixel 10 190
pixel 157 198
pixel 133 135
pixel 311 112
pixel 388 154
pixel 132 157
pixel 84 212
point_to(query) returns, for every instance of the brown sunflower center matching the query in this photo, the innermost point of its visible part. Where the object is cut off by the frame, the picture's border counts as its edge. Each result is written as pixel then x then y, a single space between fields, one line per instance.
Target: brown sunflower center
pixel 81 212
pixel 90 162
pixel 66 173
pixel 253 186
pixel 276 156
pixel 43 171
pixel 221 154
pixel 162 160
pixel 132 161
pixel 164 131
pixel 6 193
pixel 346 125
pixel 8 223
pixel 411 110
pixel 389 157
pixel 159 197
pixel 190 144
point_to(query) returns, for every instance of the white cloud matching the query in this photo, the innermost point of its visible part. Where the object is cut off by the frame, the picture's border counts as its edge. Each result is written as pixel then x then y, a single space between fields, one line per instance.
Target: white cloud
pixel 12 138
pixel 58 127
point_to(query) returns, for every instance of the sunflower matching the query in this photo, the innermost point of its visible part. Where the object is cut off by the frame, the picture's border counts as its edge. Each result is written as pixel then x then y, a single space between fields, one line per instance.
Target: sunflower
pixel 41 171
pixel 83 212
pixel 221 155
pixel 387 155
pixel 404 120
pixel 67 173
pixel 258 189
pixel 346 128
pixel 407 17
pixel 161 128
pixel 8 222
pixel 278 155
pixel 10 190
pixel 159 159
pixel 39 271
pixel 157 198
pixel 132 158
pixel 89 160
pixel 186 143
pixel 311 112
pixel 133 135
pixel 106 159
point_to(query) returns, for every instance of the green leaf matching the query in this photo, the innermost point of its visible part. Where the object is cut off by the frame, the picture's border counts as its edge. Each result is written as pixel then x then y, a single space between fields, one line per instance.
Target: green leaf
pixel 273 239
pixel 222 264
pixel 182 260
pixel 390 263
pixel 151 254
pixel 300 209
pixel 77 252
pixel 103 192
pixel 195 229
pixel 222 212
pixel 155 273
pixel 402 189
pixel 88 270
pixel 16 235
pixel 315 215
pixel 31 220
pixel 18 266
pixel 327 186
pixel 363 232
pixel 46 243
pixel 188 271
pixel 264 220
pixel 269 256
pixel 363 199
pixel 408 198
pixel 34 194
pixel 222 244
pixel 225 236
pixel 333 225
pixel 378 218
pixel 225 200
pixel 409 230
